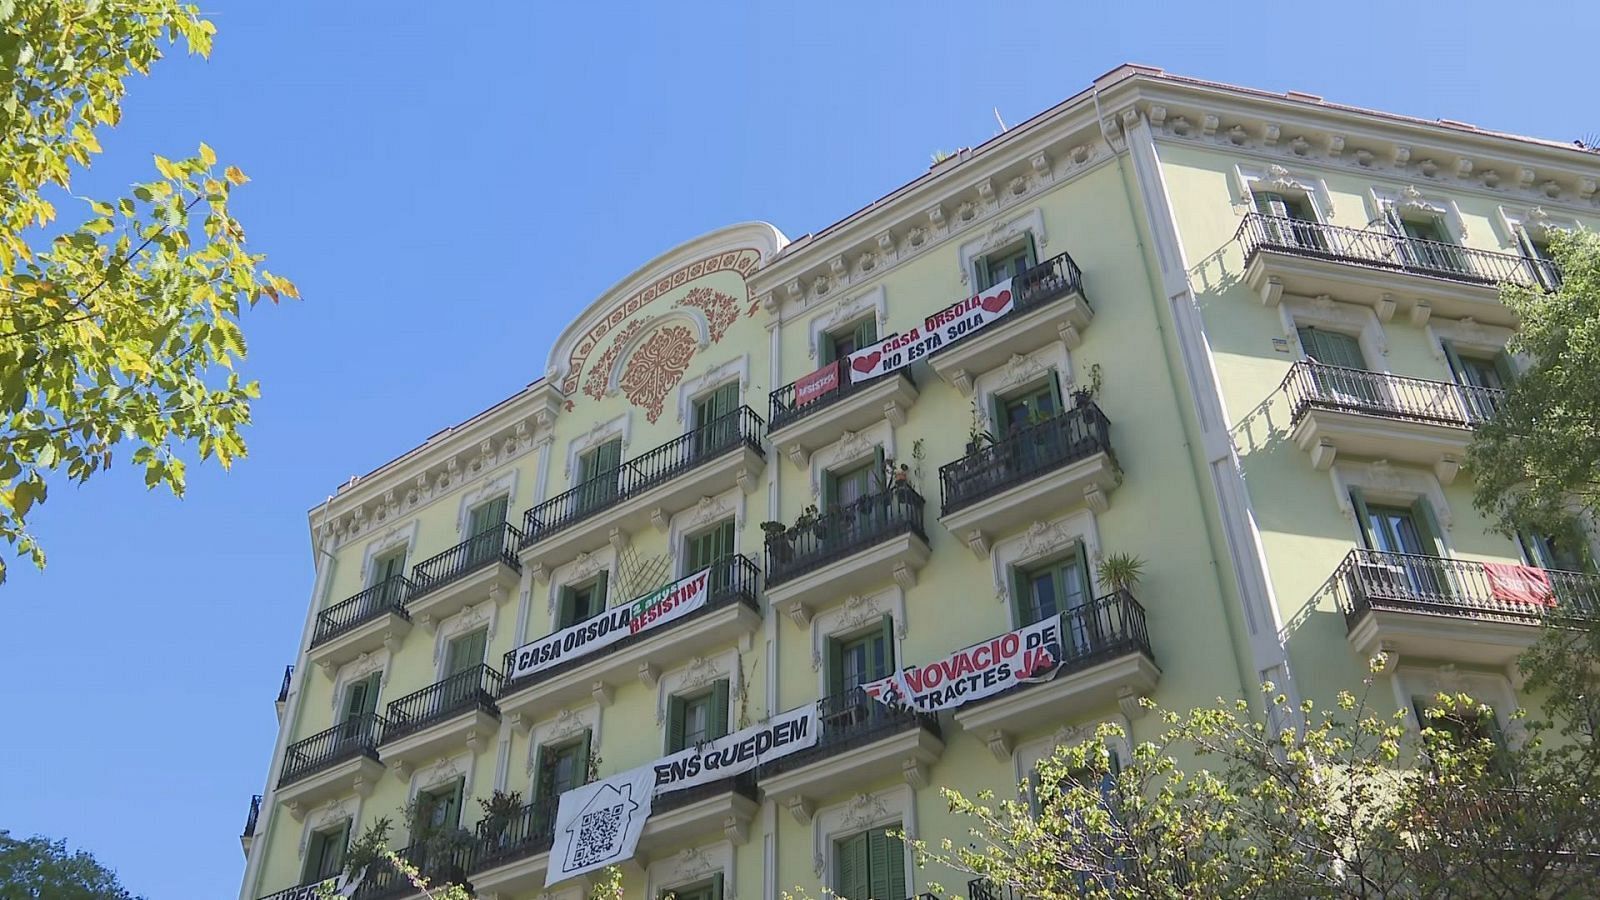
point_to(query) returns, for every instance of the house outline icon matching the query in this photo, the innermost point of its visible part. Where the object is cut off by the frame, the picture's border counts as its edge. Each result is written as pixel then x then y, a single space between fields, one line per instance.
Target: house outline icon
pixel 608 795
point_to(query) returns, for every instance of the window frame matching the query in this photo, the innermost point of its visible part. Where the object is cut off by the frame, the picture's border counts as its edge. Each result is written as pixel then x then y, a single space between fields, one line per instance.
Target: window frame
pixel 983 264
pixel 319 840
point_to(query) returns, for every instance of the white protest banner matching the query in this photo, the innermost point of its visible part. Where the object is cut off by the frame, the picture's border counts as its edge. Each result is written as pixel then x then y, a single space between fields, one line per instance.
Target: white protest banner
pixel 736 753
pixel 599 823
pixel 954 322
pixel 649 611
pixel 1031 653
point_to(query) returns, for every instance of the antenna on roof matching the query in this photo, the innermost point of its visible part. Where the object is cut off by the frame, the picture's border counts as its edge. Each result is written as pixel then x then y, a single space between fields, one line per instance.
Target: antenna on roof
pixel 1002 122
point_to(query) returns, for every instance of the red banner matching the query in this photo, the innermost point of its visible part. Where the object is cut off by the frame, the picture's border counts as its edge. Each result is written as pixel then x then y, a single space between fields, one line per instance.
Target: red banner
pixel 816 384
pixel 1510 583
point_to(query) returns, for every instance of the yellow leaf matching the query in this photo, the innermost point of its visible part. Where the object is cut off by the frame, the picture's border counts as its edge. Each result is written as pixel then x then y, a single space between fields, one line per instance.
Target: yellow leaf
pixel 234 175
pixel 164 166
pixel 207 155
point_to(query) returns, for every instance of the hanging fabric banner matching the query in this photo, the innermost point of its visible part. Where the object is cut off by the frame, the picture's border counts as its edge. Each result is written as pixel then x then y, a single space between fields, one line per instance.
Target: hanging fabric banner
pixel 649 611
pixel 1511 583
pixel 809 387
pixel 948 325
pixel 599 823
pixel 1031 653
pixel 737 753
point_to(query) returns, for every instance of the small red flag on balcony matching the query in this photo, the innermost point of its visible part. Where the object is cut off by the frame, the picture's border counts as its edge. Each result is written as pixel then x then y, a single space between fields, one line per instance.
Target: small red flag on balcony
pixel 1511 583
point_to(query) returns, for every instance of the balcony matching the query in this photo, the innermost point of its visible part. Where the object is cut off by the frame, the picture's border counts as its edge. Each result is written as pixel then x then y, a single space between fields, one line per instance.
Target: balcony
pixel 1106 659
pixel 365 623
pixel 457 712
pixel 862 742
pixel 311 890
pixel 385 882
pixel 1372 267
pixel 646 490
pixel 248 834
pixel 984 889
pixel 688 817
pixel 1336 410
pixel 283 690
pixel 731 612
pixel 1036 472
pixel 846 551
pixel 1451 609
pixel 1048 305
pixel 331 763
pixel 482 567
pixel 512 858
pixel 800 429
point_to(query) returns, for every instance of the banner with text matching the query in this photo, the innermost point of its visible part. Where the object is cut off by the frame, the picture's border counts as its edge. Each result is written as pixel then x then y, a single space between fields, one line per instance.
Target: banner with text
pixel 948 325
pixel 644 613
pixel 737 753
pixel 1031 653
pixel 810 387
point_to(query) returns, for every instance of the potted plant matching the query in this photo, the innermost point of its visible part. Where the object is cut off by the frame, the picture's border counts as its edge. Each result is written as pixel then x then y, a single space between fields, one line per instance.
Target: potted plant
pixel 1084 395
pixel 1120 572
pixel 447 850
pixel 498 811
pixel 776 537
pixel 977 437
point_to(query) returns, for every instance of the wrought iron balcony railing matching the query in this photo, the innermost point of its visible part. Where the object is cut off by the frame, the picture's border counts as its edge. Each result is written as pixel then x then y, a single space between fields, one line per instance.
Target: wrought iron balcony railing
pixel 529 832
pixel 1382 249
pixel 356 736
pixel 252 817
pixel 740 428
pixel 1311 384
pixel 842 531
pixel 473 688
pixel 311 890
pixel 734 579
pixel 984 889
pixel 784 409
pixel 1024 454
pixel 388 596
pixel 497 544
pixel 1046 282
pixel 440 866
pixel 283 689
pixel 1104 628
pixel 1404 582
pixel 852 719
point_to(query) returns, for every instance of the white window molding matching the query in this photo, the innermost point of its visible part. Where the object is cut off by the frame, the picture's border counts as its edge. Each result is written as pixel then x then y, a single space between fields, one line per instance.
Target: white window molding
pixel 1029 754
pixel 694 388
pixel 1493 689
pixel 488 489
pixel 889 807
pixel 850 616
pixel 401 534
pixel 1385 482
pixel 1466 334
pixel 1042 540
pixel 1510 221
pixel 691 865
pixel 850 450
pixel 1411 202
pixel 598 433
pixel 468 620
pixel 441 773
pixel 582 568
pixel 327 816
pixel 697 674
pixel 1021 370
pixel 355 670
pixel 563 726
pixel 871 302
pixel 1276 179
pixel 705 512
pixel 1000 234
pixel 1322 311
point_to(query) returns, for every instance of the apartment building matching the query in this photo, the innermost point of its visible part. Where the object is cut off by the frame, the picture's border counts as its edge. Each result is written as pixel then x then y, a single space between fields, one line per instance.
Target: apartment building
pixel 1243 336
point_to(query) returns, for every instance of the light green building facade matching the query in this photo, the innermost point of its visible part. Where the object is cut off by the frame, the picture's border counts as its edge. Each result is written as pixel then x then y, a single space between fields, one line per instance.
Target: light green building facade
pixel 1251 335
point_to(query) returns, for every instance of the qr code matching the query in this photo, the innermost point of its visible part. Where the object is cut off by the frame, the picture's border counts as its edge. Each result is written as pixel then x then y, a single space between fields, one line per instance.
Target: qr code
pixel 598 835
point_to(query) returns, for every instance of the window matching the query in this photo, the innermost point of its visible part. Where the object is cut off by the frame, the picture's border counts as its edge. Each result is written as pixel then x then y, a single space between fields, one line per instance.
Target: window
pixel 695 718
pixel 1425 242
pixel 560 768
pixel 710 889
pixel 714 545
pixel 1006 263
pixel 1347 382
pixel 1545 272
pixel 483 525
pixel 1409 532
pixel 855 661
pixel 843 488
pixel 388 565
pixel 1051 589
pixel 581 601
pixel 441 806
pixel 1480 376
pixel 325 853
pixel 842 342
pixel 870 866
pixel 1563 553
pixel 1463 728
pixel 716 427
pixel 1286 212
pixel 1027 406
pixel 465 651
pixel 361 699
pixel 597 479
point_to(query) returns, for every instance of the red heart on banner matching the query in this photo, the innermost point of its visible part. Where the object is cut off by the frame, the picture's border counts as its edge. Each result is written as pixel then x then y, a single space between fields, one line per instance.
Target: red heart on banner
pixel 995 302
pixel 867 362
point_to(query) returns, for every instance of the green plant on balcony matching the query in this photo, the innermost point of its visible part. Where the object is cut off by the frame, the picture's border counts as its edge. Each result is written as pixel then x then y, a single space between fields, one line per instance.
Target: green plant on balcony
pixel 1084 394
pixel 977 436
pixel 775 535
pixel 368 848
pixel 498 811
pixel 1120 571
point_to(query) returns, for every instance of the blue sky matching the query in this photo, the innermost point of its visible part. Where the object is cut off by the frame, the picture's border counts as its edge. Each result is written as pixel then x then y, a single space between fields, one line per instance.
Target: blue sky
pixel 449 184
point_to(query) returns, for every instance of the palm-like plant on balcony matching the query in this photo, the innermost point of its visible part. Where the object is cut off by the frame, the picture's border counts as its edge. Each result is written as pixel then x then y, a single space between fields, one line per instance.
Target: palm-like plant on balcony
pixel 498 810
pixel 1120 571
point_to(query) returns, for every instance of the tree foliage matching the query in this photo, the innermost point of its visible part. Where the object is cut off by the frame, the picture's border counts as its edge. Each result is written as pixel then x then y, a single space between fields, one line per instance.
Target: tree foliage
pixel 45 869
pixel 1536 463
pixel 121 333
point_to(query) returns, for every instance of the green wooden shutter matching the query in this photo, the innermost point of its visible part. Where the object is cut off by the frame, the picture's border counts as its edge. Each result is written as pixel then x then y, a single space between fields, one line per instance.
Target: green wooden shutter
pixel 835 664
pixel 1358 502
pixel 1033 252
pixel 852 873
pixel 1423 511
pixel 866 332
pixel 1505 368
pixel 541 777
pixel 1458 369
pixel 719 710
pixel 884 665
pixel 1055 390
pixel 583 757
pixel 878 482
pixel 601 585
pixel 1019 596
pixel 886 863
pixel 466 651
pixel 452 809
pixel 488 516
pixel 675 729
pixel 716 886
pixel 361 697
